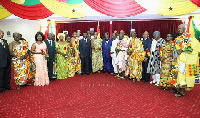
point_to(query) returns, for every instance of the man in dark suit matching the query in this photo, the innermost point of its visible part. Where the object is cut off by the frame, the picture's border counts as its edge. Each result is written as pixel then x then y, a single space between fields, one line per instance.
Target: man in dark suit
pixel 147 45
pixel 51 51
pixel 107 60
pixel 85 54
pixel 5 64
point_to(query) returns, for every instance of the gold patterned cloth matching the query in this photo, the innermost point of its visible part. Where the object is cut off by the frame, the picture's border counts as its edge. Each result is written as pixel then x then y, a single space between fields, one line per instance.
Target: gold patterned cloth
pixel 166 64
pixel 135 59
pixel 20 65
pixel 97 58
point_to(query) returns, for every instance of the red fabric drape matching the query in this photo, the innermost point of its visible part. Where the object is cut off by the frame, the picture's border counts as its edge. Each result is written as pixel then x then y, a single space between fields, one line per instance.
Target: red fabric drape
pixel 164 26
pixel 197 2
pixel 188 27
pixel 74 26
pixel 104 27
pixel 32 12
pixel 83 26
pixel 121 25
pixel 116 8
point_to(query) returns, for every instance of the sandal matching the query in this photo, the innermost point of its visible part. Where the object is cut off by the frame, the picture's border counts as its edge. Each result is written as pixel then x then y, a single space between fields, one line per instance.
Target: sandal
pixel 166 88
pixel 18 87
pixel 179 94
pixel 122 78
pixel 134 80
pixel 174 90
pixel 162 87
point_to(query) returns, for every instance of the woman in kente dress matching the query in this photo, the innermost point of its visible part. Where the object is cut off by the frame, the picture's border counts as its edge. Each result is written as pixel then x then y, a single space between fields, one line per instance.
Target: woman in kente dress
pixel 77 59
pixel 61 49
pixel 18 50
pixel 97 59
pixel 166 62
pixel 70 57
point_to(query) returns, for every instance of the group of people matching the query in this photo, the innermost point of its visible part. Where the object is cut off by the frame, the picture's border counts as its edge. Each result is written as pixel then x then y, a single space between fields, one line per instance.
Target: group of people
pixel 172 63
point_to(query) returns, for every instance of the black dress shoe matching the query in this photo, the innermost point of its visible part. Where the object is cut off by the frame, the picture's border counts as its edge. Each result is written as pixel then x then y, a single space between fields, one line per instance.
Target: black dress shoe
pixel 104 71
pixel 82 73
pixel 88 73
pixel 146 81
pixel 2 91
pixel 9 88
pixel 110 73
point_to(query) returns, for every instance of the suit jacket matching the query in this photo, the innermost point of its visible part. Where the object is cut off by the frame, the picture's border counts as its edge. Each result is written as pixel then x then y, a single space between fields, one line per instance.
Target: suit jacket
pixel 51 50
pixel 85 48
pixel 106 48
pixel 4 53
pixel 147 45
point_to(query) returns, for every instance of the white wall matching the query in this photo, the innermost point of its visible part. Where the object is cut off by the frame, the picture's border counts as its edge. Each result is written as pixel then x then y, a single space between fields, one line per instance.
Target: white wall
pixel 27 28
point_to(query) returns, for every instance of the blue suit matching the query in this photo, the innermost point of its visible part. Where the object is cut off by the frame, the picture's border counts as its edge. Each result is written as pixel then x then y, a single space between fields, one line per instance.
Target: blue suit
pixel 147 45
pixel 107 60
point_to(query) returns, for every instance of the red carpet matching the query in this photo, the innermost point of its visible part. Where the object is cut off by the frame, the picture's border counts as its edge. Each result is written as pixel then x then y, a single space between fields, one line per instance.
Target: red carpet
pixel 98 95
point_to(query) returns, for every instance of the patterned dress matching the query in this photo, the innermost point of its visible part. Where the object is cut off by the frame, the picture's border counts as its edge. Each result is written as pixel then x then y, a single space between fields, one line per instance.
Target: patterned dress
pixel 122 55
pixel 166 65
pixel 97 58
pixel 20 66
pixel 77 59
pixel 154 65
pixel 41 75
pixel 136 58
pixel 61 62
pixel 70 61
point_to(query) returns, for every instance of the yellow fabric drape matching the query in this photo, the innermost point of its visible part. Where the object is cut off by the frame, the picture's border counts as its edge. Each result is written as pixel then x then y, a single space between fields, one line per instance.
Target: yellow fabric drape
pixel 5 13
pixel 169 7
pixel 67 10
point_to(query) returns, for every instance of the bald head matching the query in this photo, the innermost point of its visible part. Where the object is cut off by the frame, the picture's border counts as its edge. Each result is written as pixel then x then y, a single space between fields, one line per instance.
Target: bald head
pixel 1 33
pixel 181 29
pixel 49 36
pixel 145 34
pixel 122 32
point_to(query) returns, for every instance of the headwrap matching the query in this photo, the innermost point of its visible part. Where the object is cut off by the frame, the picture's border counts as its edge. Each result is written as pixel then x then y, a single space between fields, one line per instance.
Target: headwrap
pixel 61 34
pixel 156 32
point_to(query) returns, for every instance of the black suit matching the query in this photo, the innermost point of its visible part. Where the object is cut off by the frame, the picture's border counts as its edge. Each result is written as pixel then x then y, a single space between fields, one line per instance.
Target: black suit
pixel 51 52
pixel 147 45
pixel 5 65
pixel 85 53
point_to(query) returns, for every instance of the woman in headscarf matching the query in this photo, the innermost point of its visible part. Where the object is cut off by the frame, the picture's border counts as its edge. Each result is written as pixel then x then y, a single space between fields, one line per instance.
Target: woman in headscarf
pixel 61 49
pixel 154 65
pixel 18 51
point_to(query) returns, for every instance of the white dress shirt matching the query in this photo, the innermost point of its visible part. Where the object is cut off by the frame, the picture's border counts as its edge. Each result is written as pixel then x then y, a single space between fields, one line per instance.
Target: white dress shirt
pixel 50 41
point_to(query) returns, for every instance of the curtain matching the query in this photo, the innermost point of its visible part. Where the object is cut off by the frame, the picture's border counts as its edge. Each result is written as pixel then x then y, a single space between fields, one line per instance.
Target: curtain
pixel 83 26
pixel 122 25
pixel 104 27
pixel 164 26
pixel 74 26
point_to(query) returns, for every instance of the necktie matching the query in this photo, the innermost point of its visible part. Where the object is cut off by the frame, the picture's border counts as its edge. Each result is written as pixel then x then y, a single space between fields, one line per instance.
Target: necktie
pixel 50 43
